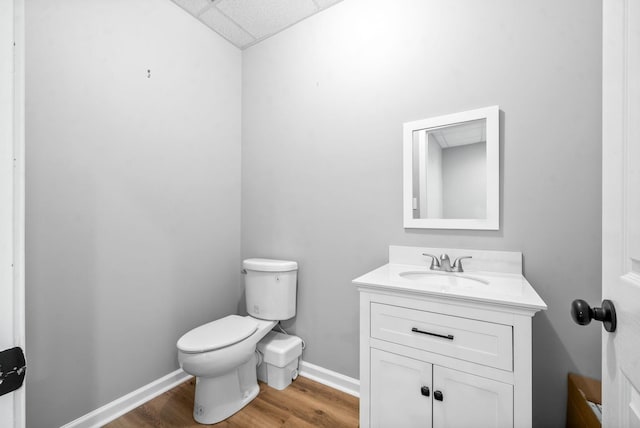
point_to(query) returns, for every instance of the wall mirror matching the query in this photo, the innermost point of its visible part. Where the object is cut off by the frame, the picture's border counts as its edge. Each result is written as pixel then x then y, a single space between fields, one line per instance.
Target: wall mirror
pixel 452 171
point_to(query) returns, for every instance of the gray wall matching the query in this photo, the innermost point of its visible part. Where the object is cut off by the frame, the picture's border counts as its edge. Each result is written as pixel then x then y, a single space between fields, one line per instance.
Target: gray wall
pixel 133 196
pixel 323 106
pixel 464 181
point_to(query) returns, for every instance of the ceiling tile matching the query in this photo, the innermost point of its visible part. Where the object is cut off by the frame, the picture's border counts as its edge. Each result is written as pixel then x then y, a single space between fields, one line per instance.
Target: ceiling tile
pixel 246 22
pixel 261 18
pixel 326 3
pixel 194 7
pixel 461 134
pixel 226 28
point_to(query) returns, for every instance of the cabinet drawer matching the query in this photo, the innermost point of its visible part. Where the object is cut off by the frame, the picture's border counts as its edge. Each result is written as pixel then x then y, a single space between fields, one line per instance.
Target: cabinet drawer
pixel 480 342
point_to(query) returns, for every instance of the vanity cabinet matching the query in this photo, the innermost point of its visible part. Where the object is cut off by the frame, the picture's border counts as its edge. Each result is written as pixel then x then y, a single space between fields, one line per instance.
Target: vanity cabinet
pixel 412 393
pixel 446 350
pixel 428 362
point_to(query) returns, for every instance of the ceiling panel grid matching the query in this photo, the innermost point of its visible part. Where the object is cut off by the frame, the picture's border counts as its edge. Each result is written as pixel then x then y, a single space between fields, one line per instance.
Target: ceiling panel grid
pixel 247 22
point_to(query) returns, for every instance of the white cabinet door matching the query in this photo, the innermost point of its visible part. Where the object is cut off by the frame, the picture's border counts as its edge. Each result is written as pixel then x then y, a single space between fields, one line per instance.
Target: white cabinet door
pixel 470 401
pixel 397 395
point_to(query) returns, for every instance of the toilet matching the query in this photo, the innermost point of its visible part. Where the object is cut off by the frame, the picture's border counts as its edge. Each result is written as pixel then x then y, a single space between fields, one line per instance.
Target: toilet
pixel 222 354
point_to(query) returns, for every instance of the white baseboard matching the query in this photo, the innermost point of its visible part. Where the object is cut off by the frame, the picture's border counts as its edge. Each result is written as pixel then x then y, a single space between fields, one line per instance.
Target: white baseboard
pixel 330 378
pixel 124 404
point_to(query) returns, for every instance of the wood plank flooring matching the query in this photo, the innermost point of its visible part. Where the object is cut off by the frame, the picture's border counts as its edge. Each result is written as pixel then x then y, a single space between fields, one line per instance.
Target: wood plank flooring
pixel 304 403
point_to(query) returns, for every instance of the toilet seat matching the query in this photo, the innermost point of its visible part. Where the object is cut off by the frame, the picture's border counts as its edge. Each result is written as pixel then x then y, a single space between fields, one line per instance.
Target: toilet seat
pixel 217 334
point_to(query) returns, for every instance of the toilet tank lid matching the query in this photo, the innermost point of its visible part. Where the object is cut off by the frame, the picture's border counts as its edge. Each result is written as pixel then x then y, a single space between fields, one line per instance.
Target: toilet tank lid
pixel 217 334
pixel 269 265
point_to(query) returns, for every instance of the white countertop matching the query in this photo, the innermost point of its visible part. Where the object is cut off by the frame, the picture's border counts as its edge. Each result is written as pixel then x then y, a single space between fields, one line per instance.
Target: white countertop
pixel 508 289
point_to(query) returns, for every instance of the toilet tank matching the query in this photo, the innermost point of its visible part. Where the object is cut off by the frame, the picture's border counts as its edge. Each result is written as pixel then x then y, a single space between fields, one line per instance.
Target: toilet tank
pixel 270 288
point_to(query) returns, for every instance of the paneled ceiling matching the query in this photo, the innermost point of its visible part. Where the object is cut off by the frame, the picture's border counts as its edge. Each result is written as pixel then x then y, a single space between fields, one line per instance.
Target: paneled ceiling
pixel 461 134
pixel 247 22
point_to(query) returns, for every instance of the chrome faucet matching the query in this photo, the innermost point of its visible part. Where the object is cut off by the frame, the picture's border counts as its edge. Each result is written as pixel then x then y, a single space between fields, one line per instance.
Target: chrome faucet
pixel 443 263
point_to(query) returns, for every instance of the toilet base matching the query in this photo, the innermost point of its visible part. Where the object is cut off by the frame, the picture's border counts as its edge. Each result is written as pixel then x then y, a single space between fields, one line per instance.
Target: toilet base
pixel 219 397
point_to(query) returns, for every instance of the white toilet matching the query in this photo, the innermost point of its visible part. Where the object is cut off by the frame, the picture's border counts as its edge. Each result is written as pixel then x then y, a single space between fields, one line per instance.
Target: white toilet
pixel 222 353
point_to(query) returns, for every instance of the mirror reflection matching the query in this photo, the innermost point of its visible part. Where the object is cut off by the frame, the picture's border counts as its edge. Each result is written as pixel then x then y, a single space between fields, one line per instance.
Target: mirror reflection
pixel 450 171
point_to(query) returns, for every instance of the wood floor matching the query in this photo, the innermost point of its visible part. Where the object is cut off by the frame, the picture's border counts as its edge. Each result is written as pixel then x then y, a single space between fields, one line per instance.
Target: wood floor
pixel 304 403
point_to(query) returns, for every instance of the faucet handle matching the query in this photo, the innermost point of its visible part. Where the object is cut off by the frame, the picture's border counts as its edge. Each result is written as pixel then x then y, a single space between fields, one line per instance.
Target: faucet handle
pixel 457 264
pixel 435 263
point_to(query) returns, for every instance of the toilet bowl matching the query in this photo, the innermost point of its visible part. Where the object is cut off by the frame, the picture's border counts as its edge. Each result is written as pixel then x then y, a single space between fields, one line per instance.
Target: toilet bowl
pixel 222 353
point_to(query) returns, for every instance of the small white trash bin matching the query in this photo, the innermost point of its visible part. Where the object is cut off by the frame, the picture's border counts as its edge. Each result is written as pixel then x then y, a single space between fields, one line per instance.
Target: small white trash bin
pixel 280 356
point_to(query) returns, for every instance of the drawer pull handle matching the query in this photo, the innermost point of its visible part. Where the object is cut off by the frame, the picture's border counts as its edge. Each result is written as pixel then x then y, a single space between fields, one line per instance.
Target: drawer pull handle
pixel 444 336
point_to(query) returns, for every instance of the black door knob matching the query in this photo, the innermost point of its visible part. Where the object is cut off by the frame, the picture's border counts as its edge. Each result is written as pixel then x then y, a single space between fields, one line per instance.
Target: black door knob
pixel 582 314
pixel 438 395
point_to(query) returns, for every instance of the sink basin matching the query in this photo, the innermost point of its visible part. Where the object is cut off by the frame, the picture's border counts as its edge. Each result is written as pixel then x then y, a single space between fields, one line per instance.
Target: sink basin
pixel 443 279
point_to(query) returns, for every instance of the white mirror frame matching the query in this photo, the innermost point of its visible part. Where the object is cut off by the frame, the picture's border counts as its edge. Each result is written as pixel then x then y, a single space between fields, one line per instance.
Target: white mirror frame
pixel 492 222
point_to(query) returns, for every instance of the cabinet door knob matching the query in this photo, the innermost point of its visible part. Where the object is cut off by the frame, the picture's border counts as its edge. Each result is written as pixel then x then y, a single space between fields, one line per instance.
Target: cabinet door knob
pixel 424 391
pixel 438 395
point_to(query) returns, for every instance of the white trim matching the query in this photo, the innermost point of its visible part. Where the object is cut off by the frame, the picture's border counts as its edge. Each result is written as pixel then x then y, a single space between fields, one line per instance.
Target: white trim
pixel 12 198
pixel 122 405
pixel 19 309
pixel 330 378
